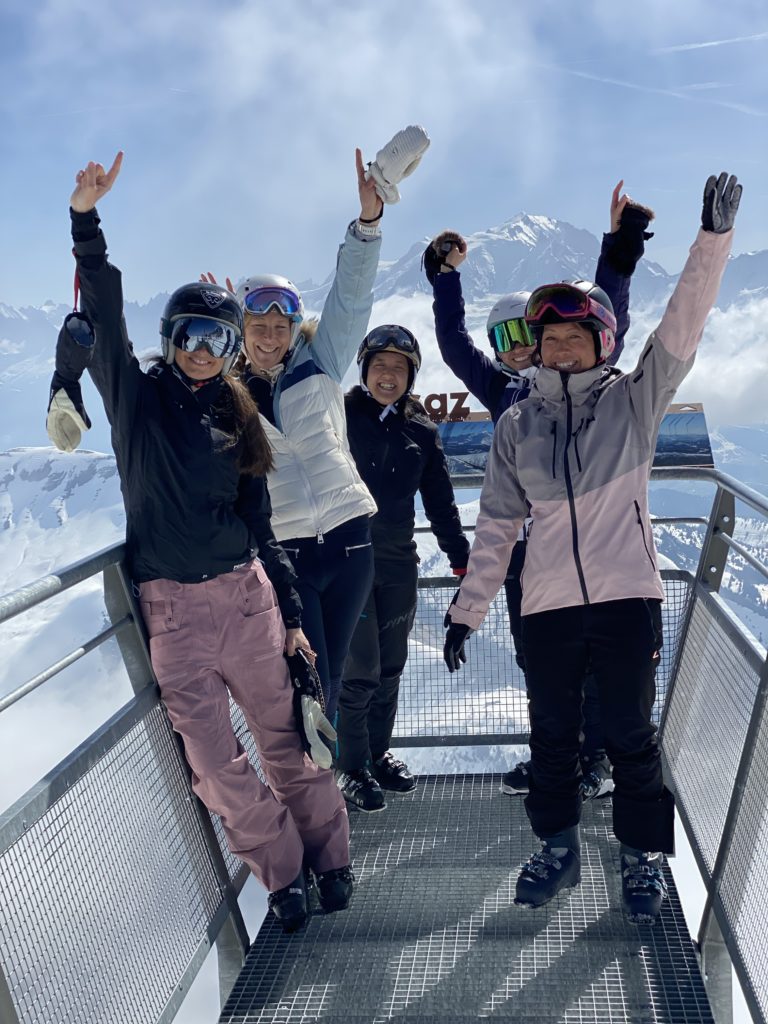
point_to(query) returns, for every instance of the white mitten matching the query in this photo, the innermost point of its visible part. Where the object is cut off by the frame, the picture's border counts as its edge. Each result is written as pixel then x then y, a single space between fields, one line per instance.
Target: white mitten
pixel 315 722
pixel 395 161
pixel 67 419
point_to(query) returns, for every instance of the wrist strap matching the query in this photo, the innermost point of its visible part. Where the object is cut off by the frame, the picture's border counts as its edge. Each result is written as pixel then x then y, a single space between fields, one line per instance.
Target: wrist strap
pixel 362 220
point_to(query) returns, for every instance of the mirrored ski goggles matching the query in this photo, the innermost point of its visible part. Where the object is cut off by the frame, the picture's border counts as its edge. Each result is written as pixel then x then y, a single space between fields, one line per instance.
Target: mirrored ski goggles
pixel 508 333
pixel 567 303
pixel 391 336
pixel 261 300
pixel 191 334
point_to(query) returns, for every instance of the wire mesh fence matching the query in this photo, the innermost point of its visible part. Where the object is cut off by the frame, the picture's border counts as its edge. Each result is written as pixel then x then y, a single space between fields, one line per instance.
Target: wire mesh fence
pixel 109 883
pixel 486 701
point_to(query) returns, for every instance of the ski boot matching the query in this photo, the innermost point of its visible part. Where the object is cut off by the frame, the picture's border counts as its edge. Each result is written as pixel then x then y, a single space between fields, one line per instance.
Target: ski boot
pixel 334 888
pixel 517 780
pixel 556 866
pixel 393 774
pixel 289 904
pixel 643 888
pixel 597 779
pixel 359 788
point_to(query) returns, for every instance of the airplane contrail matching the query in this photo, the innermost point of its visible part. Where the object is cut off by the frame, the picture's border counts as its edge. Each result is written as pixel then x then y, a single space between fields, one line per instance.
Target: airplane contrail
pixel 715 42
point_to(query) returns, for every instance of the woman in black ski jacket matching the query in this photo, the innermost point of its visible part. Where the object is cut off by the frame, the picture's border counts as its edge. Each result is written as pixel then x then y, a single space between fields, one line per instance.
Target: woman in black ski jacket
pixel 192 458
pixel 398 454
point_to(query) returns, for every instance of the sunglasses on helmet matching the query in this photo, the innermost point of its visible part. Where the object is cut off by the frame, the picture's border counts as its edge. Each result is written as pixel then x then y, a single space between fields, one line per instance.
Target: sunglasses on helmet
pixel 261 300
pixel 391 336
pixel 567 303
pixel 508 333
pixel 191 334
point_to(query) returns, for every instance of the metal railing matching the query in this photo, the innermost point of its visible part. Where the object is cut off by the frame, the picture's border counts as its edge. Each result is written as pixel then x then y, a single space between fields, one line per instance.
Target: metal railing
pixel 112 850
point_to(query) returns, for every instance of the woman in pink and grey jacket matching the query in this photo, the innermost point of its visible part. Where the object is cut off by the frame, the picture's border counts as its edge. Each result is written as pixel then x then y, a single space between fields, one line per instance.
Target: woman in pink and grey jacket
pixel 576 457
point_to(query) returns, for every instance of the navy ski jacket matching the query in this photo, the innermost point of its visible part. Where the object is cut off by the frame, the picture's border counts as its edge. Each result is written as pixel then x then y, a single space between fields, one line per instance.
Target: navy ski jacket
pixel 480 373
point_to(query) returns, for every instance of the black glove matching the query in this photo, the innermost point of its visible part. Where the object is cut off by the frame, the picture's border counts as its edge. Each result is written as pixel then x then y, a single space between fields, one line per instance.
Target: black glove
pixel 434 255
pixel 453 651
pixel 627 245
pixel 309 708
pixel 67 418
pixel 447 618
pixel 721 201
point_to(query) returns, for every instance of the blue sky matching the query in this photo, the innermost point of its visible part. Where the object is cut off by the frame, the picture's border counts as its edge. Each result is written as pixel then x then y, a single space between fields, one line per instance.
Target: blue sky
pixel 239 122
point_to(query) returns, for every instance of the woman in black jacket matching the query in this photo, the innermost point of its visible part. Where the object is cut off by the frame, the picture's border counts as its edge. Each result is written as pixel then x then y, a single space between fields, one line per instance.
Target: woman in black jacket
pixel 398 453
pixel 192 457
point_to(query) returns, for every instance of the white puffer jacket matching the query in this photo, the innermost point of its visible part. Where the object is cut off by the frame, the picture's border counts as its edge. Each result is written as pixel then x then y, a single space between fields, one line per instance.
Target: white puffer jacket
pixel 315 485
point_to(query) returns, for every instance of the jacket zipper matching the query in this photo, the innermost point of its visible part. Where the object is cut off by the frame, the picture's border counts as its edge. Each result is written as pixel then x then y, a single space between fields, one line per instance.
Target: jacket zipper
pixel 642 534
pixel 571 501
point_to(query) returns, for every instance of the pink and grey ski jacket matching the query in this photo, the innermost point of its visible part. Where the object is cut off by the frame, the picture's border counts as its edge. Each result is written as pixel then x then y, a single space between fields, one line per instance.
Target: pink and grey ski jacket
pixel 576 457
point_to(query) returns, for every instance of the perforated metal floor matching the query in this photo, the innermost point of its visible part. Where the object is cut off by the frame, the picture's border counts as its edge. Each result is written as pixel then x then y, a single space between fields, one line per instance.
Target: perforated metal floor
pixel 433 935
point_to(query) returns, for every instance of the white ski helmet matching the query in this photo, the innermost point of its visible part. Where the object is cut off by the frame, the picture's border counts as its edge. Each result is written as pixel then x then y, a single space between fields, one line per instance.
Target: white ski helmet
pixel 508 308
pixel 263 292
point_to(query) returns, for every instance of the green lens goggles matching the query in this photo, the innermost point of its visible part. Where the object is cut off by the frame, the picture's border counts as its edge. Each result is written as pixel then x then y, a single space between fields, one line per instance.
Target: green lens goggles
pixel 508 333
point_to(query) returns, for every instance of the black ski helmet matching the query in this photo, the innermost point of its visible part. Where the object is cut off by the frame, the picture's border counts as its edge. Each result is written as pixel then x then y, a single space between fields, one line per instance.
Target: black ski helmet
pixel 599 317
pixel 390 338
pixel 202 301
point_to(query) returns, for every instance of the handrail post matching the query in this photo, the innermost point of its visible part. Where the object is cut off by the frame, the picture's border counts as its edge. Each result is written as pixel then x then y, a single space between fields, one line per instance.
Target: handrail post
pixel 8 1014
pixel 233 940
pixel 717 971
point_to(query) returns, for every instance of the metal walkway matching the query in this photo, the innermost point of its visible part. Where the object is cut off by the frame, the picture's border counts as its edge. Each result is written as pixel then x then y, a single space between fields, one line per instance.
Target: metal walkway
pixel 433 935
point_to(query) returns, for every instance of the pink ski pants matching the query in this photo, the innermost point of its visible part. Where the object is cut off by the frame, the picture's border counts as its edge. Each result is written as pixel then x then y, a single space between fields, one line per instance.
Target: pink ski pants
pixel 226 634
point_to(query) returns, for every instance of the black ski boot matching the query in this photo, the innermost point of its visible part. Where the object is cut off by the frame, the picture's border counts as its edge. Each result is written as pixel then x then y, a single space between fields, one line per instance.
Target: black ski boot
pixel 517 780
pixel 643 888
pixel 556 866
pixel 393 774
pixel 360 789
pixel 289 905
pixel 334 888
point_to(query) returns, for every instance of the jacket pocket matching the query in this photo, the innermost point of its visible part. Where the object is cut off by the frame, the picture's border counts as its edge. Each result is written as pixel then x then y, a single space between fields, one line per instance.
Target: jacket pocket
pixel 642 534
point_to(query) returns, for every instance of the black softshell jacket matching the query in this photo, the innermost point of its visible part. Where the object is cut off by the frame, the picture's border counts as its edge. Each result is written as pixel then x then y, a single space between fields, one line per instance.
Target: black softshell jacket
pixel 397 457
pixel 190 514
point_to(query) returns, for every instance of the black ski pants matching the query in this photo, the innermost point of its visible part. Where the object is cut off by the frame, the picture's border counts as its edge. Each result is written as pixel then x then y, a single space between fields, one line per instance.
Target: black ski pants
pixel 617 639
pixel 333 578
pixel 593 745
pixel 377 657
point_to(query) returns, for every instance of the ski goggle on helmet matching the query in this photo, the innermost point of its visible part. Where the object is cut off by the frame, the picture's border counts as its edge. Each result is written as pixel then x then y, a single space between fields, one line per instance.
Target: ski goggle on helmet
pixel 391 338
pixel 506 324
pixel 579 302
pixel 191 334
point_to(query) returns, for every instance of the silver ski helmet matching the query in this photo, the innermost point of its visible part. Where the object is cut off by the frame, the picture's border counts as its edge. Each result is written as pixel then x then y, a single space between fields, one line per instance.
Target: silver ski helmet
pixel 202 315
pixel 506 325
pixel 263 292
pixel 574 302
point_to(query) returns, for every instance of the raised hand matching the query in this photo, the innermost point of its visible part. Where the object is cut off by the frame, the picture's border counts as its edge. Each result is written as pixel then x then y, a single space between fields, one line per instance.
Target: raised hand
pixel 618 202
pixel 721 201
pixel 448 249
pixel 93 183
pixel 371 207
pixel 210 279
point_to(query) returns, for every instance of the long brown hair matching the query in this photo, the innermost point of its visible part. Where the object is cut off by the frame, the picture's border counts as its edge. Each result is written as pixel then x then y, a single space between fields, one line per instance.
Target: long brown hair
pixel 255 458
pixel 242 422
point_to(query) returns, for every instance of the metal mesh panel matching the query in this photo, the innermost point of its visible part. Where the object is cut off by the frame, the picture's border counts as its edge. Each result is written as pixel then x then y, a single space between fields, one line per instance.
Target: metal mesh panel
pixel 486 699
pixel 432 933
pixel 744 888
pixel 111 882
pixel 709 712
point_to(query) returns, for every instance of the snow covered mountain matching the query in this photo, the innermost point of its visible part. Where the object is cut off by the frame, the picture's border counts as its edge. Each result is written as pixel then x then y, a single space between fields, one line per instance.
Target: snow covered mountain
pixel 520 253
